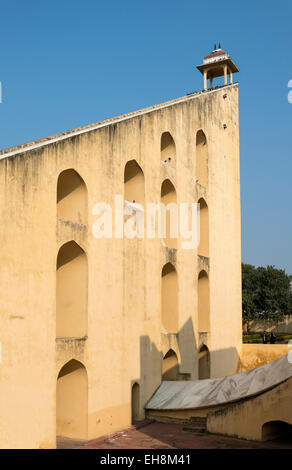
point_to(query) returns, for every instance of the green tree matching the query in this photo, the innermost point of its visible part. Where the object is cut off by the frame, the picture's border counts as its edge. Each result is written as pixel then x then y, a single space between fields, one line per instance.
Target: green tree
pixel 249 287
pixel 266 293
pixel 273 293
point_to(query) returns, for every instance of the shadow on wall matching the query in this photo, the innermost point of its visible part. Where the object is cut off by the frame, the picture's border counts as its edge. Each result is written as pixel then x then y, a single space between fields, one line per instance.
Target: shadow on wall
pixel 180 358
pixel 170 368
pixel 141 387
pixel 72 197
pixel 175 360
pixel 168 196
pixel 134 183
pixel 167 149
pixel 204 362
pixel 72 397
pixel 71 291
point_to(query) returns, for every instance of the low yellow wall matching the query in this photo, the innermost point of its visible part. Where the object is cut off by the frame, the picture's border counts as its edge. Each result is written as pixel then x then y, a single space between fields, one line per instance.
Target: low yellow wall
pixel 256 355
pixel 283 327
pixel 182 416
pixel 246 418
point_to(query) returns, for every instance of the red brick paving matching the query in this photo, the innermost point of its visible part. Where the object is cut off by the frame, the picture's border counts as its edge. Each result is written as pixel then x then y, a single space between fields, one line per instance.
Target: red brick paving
pixel 156 435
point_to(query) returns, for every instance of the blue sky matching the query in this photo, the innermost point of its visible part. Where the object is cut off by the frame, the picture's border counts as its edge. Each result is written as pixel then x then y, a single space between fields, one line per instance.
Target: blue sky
pixel 69 63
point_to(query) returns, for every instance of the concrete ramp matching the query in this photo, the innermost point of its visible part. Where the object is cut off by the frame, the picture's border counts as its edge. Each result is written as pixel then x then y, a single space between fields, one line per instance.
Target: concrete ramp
pixel 263 417
pixel 208 393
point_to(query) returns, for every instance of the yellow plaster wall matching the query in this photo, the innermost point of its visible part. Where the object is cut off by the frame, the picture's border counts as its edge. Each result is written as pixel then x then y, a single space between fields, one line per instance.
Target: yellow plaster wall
pixel 124 343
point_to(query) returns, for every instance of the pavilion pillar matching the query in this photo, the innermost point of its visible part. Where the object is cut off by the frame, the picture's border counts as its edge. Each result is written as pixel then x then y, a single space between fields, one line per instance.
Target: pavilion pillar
pixel 205 80
pixel 230 77
pixel 225 74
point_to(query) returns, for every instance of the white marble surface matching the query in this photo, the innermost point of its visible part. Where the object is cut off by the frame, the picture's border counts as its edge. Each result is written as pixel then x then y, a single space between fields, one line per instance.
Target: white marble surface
pixel 178 395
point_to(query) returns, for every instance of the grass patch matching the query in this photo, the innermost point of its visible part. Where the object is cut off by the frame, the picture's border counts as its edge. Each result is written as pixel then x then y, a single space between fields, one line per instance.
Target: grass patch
pixel 255 338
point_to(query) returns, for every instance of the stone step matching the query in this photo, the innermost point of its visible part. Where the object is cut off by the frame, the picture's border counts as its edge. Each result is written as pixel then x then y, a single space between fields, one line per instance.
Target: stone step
pixel 197 425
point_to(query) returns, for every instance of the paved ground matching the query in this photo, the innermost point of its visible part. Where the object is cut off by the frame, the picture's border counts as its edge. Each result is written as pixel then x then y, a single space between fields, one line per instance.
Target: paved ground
pixel 156 435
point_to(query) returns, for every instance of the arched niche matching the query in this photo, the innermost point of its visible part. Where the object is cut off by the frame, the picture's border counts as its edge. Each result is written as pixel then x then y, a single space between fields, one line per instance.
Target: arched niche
pixel 276 430
pixel 169 298
pixel 204 362
pixel 168 198
pixel 71 291
pixel 134 183
pixel 203 303
pixel 203 248
pixel 72 197
pixel 170 368
pixel 201 158
pixel 167 149
pixel 71 401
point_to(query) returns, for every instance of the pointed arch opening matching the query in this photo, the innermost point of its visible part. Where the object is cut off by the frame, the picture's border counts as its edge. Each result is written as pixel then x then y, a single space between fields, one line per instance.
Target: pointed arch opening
pixel 168 149
pixel 276 430
pixel 72 401
pixel 71 291
pixel 134 183
pixel 170 367
pixel 169 298
pixel 204 362
pixel 201 158
pixel 135 401
pixel 203 248
pixel 203 303
pixel 72 197
pixel 168 198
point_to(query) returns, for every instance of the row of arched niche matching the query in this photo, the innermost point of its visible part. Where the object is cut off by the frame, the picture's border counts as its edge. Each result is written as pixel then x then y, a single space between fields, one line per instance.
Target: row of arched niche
pixel 72 393
pixel 72 283
pixel 72 191
pixel 72 294
pixel 168 155
pixel 72 260
pixel 72 396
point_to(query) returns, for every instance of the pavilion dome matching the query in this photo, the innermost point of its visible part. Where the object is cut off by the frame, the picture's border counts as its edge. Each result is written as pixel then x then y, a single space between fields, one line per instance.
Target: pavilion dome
pixel 216 55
